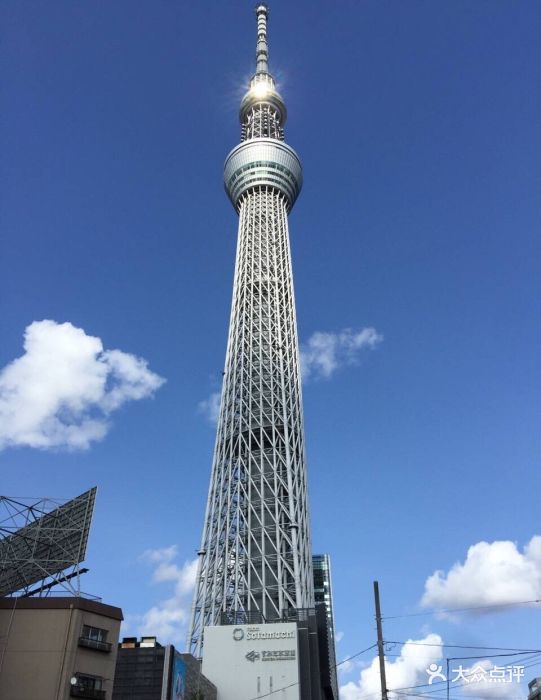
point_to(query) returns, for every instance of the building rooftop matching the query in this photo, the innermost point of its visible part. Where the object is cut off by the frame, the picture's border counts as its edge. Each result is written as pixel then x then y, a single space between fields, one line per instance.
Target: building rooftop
pixel 62 603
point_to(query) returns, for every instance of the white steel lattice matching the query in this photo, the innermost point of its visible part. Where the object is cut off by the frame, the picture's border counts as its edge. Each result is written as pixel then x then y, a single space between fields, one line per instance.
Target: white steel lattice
pixel 262 121
pixel 43 540
pixel 255 558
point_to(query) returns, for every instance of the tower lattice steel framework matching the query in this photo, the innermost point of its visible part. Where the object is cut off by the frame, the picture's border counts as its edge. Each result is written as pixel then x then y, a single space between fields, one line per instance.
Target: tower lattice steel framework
pixel 255 557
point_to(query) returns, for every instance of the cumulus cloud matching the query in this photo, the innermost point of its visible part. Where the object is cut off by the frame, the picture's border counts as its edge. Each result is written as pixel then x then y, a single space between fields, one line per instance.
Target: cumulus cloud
pixel 61 392
pixel 159 556
pixel 168 619
pixel 408 670
pixel 477 681
pixel 210 408
pixel 494 573
pixel 324 353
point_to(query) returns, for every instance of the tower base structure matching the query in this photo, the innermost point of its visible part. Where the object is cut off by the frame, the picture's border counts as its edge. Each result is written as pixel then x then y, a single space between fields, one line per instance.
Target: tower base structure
pixel 256 660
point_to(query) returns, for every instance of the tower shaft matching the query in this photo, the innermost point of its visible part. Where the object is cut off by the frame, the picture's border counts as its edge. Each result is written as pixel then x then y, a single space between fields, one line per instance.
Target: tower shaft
pixel 255 559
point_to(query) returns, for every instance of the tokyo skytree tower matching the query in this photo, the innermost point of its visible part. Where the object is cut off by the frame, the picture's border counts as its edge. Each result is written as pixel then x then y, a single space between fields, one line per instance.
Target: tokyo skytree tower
pixel 255 561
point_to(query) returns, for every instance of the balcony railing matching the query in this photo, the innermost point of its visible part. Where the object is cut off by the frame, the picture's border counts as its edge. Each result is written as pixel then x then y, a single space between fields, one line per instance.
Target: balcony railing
pixel 95 644
pixel 79 691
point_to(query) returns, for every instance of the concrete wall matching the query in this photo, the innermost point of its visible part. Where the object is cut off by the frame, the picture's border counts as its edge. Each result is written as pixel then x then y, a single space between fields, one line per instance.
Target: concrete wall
pixel 39 646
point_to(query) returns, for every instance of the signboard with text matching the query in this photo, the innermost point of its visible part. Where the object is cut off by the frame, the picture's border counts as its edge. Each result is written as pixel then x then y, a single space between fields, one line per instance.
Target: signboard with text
pixel 251 661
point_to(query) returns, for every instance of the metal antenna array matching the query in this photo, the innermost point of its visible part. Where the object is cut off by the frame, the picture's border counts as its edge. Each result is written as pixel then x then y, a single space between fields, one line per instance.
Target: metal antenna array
pixel 255 558
pixel 43 541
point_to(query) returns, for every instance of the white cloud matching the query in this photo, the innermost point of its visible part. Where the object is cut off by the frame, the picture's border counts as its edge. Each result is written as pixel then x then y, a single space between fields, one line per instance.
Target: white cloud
pixel 495 573
pixel 478 683
pixel 324 353
pixel 346 667
pixel 210 407
pixel 407 670
pixel 159 556
pixel 61 392
pixel 165 621
pixel 168 619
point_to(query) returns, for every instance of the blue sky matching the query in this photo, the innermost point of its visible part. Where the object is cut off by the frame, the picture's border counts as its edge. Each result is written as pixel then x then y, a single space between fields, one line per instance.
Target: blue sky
pixel 418 126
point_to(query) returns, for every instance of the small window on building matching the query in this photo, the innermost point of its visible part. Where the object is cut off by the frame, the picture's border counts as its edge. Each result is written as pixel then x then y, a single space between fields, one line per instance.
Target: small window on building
pixel 94 633
pixel 94 638
pixel 85 682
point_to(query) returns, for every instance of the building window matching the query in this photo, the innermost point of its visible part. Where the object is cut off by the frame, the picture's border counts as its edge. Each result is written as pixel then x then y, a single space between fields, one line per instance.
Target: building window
pixel 84 686
pixel 90 682
pixel 95 633
pixel 94 638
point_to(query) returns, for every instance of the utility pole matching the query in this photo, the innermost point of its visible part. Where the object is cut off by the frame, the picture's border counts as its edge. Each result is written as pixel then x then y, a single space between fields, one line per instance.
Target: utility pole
pixel 380 643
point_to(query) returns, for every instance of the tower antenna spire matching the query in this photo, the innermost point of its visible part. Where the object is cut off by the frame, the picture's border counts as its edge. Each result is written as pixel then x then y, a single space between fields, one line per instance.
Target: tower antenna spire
pixel 262 47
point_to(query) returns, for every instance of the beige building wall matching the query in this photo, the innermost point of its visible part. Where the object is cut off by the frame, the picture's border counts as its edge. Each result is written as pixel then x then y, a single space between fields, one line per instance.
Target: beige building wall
pixel 41 651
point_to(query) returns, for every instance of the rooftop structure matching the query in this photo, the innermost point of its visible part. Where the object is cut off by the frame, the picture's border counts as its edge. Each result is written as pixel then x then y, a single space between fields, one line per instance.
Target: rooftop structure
pixel 43 541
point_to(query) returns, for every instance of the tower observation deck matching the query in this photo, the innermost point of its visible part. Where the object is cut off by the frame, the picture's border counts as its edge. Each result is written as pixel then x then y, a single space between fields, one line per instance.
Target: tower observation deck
pixel 255 561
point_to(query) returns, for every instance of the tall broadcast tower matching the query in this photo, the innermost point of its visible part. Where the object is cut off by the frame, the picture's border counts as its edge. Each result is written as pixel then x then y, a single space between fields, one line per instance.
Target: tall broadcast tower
pixel 255 561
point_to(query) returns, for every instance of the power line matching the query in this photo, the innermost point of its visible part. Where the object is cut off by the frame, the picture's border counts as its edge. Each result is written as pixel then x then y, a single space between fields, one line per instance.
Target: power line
pixel 455 683
pixel 455 610
pixel 477 656
pixel 513 651
pixel 355 655
pixel 429 694
pixel 479 697
pixel 465 646
pixel 279 690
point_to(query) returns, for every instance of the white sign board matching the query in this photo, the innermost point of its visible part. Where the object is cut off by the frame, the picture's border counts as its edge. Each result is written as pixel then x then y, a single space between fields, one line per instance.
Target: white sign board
pixel 251 661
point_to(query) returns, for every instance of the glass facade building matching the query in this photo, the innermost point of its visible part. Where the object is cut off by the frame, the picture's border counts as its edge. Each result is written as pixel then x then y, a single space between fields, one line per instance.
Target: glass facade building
pixel 321 565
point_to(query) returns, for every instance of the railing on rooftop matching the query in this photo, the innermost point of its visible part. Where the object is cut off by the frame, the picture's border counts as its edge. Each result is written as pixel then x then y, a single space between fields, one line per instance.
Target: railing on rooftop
pixel 241 617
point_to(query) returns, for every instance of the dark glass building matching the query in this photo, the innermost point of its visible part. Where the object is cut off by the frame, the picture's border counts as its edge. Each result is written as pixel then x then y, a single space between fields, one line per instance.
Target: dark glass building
pixel 321 565
pixel 146 670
